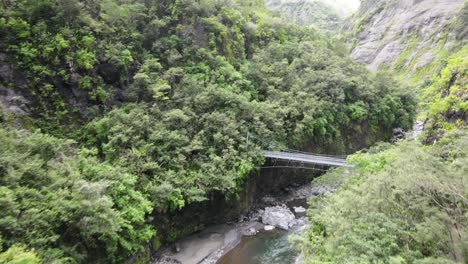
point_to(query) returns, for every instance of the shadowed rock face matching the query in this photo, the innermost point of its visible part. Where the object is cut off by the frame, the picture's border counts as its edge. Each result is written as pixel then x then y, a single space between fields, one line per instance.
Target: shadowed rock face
pixel 385 28
pixel 12 86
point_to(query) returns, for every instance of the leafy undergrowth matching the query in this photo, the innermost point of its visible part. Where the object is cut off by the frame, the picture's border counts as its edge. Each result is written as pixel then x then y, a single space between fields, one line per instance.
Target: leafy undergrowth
pixel 65 203
pixel 445 101
pixel 403 203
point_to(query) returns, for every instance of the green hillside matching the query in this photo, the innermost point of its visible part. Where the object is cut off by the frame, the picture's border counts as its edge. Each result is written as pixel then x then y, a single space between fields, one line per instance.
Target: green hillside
pixel 406 202
pixel 131 110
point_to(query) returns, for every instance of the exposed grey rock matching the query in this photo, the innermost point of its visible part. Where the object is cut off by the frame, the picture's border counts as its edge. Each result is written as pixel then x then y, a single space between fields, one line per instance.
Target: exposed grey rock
pixel 299 259
pixel 12 83
pixel 398 134
pixel 418 127
pixel 209 245
pixel 278 216
pixel 393 25
pixel 322 190
pixel 301 224
pixel 13 103
pixel 166 260
pixel 269 228
pixel 176 247
pixel 249 232
pixel 299 210
pixel 255 215
pixel 269 200
pixel 213 258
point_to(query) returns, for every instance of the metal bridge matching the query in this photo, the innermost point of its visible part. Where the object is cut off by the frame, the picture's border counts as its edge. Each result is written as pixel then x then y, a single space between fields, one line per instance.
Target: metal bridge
pixel 300 157
pixel 307 158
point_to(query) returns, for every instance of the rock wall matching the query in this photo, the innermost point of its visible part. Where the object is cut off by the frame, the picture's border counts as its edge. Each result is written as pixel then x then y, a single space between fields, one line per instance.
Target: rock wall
pixel 273 180
pixel 14 106
pixel 402 33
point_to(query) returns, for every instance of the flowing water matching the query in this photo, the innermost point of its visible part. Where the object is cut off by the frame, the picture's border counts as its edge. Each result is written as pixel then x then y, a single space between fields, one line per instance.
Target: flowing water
pixel 266 247
pixel 270 247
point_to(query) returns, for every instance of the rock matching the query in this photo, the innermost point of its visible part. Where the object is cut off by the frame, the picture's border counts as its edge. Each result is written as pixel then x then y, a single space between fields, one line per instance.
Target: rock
pixel 213 257
pixel 299 210
pixel 397 135
pixel 206 244
pixel 390 27
pixel 417 130
pixel 268 200
pixel 278 216
pixel 166 260
pixel 321 190
pixel 268 228
pixel 299 259
pixel 300 225
pixel 177 247
pixel 249 232
pixel 255 215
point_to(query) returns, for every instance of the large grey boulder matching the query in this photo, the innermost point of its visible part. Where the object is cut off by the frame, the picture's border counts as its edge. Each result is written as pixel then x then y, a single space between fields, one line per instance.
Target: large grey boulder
pixel 278 216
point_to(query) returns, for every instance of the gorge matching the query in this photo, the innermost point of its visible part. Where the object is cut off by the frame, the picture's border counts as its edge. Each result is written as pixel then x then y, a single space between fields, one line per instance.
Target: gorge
pixel 123 131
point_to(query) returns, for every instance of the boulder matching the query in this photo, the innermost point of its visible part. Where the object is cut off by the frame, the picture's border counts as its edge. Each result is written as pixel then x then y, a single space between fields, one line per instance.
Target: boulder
pixel 268 228
pixel 299 210
pixel 322 190
pixel 249 232
pixel 278 216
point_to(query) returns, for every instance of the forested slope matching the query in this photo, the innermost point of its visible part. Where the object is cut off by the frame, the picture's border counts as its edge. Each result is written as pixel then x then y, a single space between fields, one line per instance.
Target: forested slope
pixel 132 109
pixel 328 16
pixel 308 13
pixel 406 202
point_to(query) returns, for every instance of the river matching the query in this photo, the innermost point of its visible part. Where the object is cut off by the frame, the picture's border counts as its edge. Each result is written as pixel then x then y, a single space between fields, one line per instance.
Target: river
pixel 272 247
pixel 247 242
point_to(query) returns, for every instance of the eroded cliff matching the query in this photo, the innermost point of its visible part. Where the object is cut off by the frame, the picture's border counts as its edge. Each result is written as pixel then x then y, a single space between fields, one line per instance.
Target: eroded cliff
pixel 406 34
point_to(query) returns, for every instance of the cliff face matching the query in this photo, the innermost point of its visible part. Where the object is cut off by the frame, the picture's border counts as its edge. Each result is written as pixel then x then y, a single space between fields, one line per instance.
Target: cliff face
pixel 405 33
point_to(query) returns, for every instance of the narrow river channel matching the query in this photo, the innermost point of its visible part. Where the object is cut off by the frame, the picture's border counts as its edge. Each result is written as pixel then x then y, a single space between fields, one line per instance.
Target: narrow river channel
pixel 247 242
pixel 270 247
pixel 267 247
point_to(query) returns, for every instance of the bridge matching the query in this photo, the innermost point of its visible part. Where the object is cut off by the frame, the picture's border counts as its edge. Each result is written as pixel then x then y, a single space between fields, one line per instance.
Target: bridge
pixel 300 157
pixel 307 158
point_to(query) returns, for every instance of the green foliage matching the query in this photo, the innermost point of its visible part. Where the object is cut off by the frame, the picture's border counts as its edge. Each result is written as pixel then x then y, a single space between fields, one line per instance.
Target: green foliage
pixel 321 93
pixel 402 204
pixel 159 96
pixel 323 15
pixel 70 204
pixel 85 59
pixel 19 255
pixel 445 102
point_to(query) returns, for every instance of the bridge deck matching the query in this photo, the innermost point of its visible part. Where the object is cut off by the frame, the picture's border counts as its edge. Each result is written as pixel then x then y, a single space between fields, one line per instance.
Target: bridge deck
pixel 314 159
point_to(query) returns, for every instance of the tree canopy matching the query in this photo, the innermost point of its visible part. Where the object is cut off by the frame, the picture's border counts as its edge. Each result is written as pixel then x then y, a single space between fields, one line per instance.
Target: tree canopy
pixel 139 108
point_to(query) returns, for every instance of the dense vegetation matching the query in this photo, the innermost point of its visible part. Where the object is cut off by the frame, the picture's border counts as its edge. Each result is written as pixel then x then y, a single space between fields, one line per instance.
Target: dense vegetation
pixel 67 204
pixel 405 203
pixel 402 204
pixel 444 100
pixel 142 107
pixel 315 13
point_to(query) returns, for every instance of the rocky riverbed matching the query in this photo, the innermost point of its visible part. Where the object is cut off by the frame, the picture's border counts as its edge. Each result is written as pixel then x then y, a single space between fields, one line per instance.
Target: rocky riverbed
pixel 271 214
